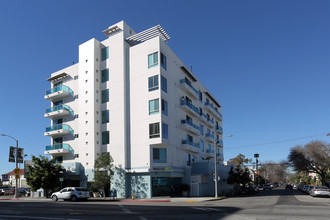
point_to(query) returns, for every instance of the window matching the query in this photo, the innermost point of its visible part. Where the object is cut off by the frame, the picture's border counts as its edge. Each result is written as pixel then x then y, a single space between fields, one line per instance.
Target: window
pixel 165 131
pixel 76 116
pixel 105 75
pixel 76 136
pixel 105 137
pixel 208 148
pixel 154 130
pixel 75 77
pixel 105 96
pixel 201 143
pixel 200 96
pixel 152 60
pixel 153 106
pixel 159 155
pixel 163 61
pixel 164 107
pixel 153 83
pixel 105 116
pixel 189 138
pixel 105 53
pixel 76 97
pixel 188 159
pixel 164 84
pixel 208 131
pixel 76 156
pixel 201 129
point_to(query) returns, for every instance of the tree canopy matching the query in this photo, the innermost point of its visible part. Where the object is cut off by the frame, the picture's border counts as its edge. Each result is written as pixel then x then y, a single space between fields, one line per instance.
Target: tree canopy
pixel 313 157
pixel 239 175
pixel 43 174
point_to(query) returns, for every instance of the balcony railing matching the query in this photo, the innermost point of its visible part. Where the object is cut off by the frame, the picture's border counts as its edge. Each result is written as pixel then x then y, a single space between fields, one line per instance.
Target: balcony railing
pixel 210 135
pixel 191 106
pixel 209 151
pixel 215 110
pixel 189 123
pixel 59 107
pixel 189 84
pixel 59 88
pixel 190 143
pixel 220 142
pixel 219 129
pixel 59 147
pixel 59 127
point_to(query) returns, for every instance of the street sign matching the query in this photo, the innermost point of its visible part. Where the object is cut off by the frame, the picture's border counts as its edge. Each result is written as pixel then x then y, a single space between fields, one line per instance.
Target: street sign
pixel 5 177
pixel 17 176
pixel 17 170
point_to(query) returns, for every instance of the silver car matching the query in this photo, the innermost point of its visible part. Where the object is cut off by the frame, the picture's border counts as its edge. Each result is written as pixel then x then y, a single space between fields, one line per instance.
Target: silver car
pixel 320 191
pixel 71 193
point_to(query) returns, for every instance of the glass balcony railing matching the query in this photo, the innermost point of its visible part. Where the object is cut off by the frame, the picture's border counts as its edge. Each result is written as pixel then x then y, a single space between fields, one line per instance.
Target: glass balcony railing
pixel 59 146
pixel 189 84
pixel 194 108
pixel 218 128
pixel 59 107
pixel 59 127
pixel 59 88
pixel 190 143
pixel 210 135
pixel 189 123
pixel 211 105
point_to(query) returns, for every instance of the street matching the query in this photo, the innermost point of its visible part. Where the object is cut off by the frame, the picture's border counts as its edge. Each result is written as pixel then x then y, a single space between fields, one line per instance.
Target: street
pixel 275 204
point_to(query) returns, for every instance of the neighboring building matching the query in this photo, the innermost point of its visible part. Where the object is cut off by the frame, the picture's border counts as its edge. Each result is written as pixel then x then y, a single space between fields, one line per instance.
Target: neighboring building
pixel 130 95
pixel 12 180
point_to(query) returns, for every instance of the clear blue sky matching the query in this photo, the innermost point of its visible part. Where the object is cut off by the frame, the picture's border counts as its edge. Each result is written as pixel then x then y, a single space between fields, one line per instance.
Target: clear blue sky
pixel 267 62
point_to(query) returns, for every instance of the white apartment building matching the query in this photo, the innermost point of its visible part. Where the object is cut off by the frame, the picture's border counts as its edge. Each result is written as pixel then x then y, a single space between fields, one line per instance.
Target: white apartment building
pixel 131 96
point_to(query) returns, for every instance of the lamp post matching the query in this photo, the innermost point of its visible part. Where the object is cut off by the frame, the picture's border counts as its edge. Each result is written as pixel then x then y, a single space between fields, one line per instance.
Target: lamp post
pixel 15 161
pixel 215 165
pixel 257 156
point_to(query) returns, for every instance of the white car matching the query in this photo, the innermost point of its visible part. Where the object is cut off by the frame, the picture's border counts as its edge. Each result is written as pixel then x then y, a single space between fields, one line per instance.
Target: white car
pixel 71 193
pixel 320 191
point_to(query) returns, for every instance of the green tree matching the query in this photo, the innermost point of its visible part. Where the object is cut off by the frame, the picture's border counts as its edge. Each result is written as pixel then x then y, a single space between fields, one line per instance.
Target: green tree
pixel 313 157
pixel 239 175
pixel 44 173
pixel 102 170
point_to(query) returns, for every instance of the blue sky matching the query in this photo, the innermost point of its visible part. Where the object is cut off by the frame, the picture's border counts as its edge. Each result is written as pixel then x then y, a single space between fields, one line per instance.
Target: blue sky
pixel 267 62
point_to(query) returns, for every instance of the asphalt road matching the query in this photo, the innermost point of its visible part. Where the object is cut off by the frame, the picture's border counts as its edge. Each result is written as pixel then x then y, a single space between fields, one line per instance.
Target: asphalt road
pixel 275 204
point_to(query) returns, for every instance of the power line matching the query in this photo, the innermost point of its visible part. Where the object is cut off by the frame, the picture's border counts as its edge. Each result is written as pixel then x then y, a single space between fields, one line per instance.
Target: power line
pixel 277 142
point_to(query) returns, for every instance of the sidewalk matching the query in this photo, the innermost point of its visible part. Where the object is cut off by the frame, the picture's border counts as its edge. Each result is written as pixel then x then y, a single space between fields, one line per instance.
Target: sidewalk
pixel 154 199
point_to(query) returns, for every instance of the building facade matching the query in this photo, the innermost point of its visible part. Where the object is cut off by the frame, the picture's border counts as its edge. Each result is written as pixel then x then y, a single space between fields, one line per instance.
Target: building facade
pixel 131 96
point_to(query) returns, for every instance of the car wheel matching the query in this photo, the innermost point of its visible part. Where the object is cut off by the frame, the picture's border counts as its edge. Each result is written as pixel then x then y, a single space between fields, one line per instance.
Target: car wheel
pixel 74 198
pixel 54 198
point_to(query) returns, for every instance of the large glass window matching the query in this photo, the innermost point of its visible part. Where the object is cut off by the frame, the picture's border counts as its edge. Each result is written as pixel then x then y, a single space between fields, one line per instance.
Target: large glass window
pixel 154 131
pixel 105 96
pixel 201 129
pixel 153 83
pixel 105 116
pixel 163 61
pixel 164 107
pixel 164 84
pixel 201 143
pixel 153 106
pixel 153 60
pixel 164 130
pixel 105 75
pixel 159 155
pixel 105 53
pixel 105 137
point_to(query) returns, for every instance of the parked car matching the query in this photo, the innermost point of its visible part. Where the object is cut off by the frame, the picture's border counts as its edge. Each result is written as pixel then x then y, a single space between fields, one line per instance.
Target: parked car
pixel 320 191
pixel 305 188
pixel 289 186
pixel 308 190
pixel 71 193
pixel 7 191
pixel 267 186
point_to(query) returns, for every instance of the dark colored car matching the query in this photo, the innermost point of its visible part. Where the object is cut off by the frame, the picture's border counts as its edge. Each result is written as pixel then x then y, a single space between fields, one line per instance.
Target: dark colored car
pixel 289 186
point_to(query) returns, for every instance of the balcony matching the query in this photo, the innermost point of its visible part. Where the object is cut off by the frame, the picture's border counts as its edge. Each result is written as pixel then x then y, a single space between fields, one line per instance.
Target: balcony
pixel 58 130
pixel 58 92
pixel 209 138
pixel 58 111
pixel 188 88
pixel 219 143
pixel 210 108
pixel 190 146
pixel 189 127
pixel 58 149
pixel 188 107
pixel 210 123
pixel 218 129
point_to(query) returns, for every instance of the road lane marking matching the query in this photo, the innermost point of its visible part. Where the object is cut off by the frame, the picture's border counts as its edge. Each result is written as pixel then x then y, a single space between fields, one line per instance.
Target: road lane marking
pixel 33 217
pixel 125 209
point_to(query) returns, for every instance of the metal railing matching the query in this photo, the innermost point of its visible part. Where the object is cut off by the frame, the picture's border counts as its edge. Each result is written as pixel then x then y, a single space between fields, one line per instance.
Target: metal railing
pixel 190 143
pixel 189 84
pixel 190 105
pixel 189 123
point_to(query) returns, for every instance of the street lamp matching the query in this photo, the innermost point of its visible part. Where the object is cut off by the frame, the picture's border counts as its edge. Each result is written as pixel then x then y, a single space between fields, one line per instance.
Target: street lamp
pixel 215 165
pixel 257 179
pixel 15 160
